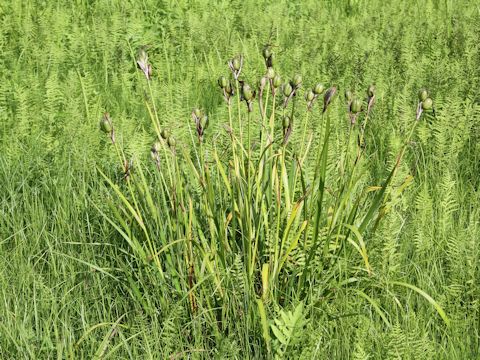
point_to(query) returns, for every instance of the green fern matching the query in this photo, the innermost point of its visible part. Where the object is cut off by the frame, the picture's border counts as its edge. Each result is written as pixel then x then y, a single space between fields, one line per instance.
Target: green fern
pixel 287 329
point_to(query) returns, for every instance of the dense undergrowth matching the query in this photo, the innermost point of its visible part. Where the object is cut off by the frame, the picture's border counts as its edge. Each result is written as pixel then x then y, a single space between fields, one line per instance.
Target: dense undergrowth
pixel 277 232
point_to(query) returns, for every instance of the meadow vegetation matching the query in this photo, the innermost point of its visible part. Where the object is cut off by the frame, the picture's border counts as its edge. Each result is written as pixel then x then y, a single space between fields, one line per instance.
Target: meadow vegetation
pixel 240 179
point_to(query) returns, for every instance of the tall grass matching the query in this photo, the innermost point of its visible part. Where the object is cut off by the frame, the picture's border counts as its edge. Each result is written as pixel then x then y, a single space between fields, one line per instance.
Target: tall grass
pixel 284 231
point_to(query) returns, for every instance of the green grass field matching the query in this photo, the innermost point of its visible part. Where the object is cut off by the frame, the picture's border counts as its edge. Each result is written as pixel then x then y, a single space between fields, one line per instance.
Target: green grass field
pixel 160 232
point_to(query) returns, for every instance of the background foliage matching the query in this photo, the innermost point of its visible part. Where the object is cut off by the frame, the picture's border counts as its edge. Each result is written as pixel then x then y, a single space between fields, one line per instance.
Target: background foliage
pixel 68 285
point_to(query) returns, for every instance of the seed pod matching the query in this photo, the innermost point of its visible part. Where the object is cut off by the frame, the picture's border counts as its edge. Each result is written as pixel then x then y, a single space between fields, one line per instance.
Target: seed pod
pixel 171 141
pixel 287 89
pixel 309 96
pixel 197 112
pixel 247 92
pixel 422 94
pixel 267 52
pixel 270 73
pixel 318 89
pixel 155 148
pixel 277 81
pixel 236 63
pixel 222 82
pixel 229 89
pixel 348 95
pixel 427 104
pixel 164 134
pixel 106 124
pixel 297 80
pixel 356 106
pixel 286 121
pixel 204 122
pixel 371 90
pixel 270 60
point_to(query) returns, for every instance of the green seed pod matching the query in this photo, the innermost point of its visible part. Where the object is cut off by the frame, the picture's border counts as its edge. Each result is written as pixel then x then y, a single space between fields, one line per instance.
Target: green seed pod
pixel 422 94
pixel 267 52
pixel 348 95
pixel 371 90
pixel 286 121
pixel 427 104
pixel 287 89
pixel 222 82
pixel 309 96
pixel 164 134
pixel 229 89
pixel 297 80
pixel 270 73
pixel 204 121
pixel 156 147
pixel 106 125
pixel 197 112
pixel 277 81
pixel 236 63
pixel 270 60
pixel 318 89
pixel 356 106
pixel 247 92
pixel 171 141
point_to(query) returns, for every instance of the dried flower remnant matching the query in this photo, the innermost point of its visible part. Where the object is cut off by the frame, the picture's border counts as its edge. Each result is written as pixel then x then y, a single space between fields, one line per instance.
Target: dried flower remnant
pixel 201 123
pixel 329 95
pixel 142 62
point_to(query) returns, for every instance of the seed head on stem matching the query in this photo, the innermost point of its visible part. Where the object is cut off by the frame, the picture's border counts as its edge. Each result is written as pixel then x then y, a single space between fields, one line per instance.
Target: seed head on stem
pixel 143 64
pixel 106 125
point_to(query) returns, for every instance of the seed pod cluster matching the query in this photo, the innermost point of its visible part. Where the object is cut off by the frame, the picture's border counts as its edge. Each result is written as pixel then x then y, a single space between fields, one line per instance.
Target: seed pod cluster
pixel 226 87
pixel 201 122
pixel 425 103
pixel 312 95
